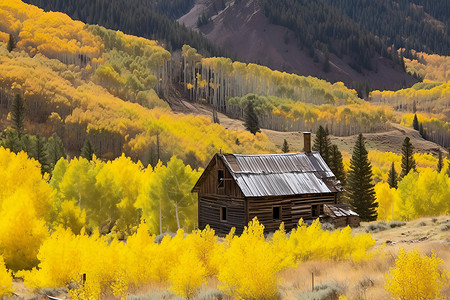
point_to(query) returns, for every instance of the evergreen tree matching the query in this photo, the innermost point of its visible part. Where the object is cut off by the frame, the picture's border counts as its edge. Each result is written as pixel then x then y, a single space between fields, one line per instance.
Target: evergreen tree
pixel 285 147
pixel 336 165
pixel 414 106
pixel 18 114
pixel 55 149
pixel 10 139
pixel 415 123
pixel 11 43
pixel 251 119
pixel 422 133
pixel 87 151
pixel 322 144
pixel 360 187
pixel 408 162
pixel 392 177
pixel 440 164
pixel 29 144
pixel 41 154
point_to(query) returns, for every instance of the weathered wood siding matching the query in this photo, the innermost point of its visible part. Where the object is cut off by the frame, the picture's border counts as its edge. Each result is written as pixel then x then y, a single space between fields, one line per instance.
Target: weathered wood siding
pixel 292 209
pixel 209 207
pixel 262 208
pixel 209 186
pixel 302 205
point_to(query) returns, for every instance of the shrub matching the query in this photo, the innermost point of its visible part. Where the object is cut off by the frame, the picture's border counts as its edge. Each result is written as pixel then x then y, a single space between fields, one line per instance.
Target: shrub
pixel 154 296
pixel 324 291
pixel 415 276
pixel 211 295
pixel 375 227
pixel 394 224
pixel 5 280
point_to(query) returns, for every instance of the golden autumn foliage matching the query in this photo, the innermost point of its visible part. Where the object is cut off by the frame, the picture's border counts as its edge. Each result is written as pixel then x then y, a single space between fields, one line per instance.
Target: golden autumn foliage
pixel 5 279
pixel 53 34
pixel 429 66
pixel 246 265
pixel 25 205
pixel 416 277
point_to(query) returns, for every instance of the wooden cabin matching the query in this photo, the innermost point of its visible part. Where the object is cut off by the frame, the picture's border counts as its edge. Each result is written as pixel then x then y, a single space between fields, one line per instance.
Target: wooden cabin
pixel 276 188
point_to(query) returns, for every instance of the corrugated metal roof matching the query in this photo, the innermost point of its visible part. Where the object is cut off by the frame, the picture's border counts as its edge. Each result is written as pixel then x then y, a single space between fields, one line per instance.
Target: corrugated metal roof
pixel 341 210
pixel 257 185
pixel 279 174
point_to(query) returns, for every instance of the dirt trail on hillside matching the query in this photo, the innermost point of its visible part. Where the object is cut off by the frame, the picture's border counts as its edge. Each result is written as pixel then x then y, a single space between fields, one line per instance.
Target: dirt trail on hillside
pixel 391 140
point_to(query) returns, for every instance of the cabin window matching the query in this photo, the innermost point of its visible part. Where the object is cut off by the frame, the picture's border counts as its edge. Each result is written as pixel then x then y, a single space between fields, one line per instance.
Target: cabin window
pixel 276 212
pixel 223 214
pixel 315 211
pixel 220 175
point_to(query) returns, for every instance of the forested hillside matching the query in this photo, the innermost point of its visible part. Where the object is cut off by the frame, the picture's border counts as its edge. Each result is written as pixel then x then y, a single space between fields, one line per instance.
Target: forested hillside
pixel 320 27
pixel 149 19
pixel 324 43
pixel 411 24
pixel 102 89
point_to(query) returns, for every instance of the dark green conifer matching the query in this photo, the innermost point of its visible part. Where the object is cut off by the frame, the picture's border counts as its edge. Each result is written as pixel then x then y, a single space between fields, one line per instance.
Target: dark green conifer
pixel 11 43
pixel 415 123
pixel 87 151
pixel 55 149
pixel 285 147
pixel 392 177
pixel 336 165
pixel 18 114
pixel 322 144
pixel 360 185
pixel 10 139
pixel 408 162
pixel 251 119
pixel 41 154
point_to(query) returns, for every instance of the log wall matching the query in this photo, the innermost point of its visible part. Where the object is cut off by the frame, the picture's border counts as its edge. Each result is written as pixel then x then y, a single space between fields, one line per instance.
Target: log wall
pixel 209 207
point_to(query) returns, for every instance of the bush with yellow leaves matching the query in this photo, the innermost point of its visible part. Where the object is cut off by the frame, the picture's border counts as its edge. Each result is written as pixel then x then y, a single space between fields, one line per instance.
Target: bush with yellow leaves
pixel 5 280
pixel 250 265
pixel 416 277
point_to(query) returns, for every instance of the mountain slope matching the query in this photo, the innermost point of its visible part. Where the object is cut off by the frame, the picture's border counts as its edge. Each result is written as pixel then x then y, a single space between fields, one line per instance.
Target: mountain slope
pixel 146 18
pixel 243 30
pixel 412 24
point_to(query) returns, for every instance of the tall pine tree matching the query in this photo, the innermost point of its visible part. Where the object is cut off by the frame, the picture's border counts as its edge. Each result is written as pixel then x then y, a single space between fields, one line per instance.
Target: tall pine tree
pixel 87 151
pixel 41 154
pixel 11 43
pixel 392 177
pixel 336 165
pixel 251 119
pixel 360 185
pixel 55 149
pixel 408 162
pixel 285 147
pixel 415 123
pixel 18 114
pixel 322 144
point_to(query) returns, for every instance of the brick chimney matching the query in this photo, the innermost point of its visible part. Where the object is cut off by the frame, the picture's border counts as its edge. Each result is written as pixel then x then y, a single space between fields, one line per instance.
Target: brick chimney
pixel 307 142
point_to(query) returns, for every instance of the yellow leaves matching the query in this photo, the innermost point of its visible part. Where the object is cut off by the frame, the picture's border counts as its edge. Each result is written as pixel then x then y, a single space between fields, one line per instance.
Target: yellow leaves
pixel 5 280
pixel 250 266
pixel 416 277
pixel 188 276
pixel 21 231
pixel 189 86
pixel 388 200
pixel 52 33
